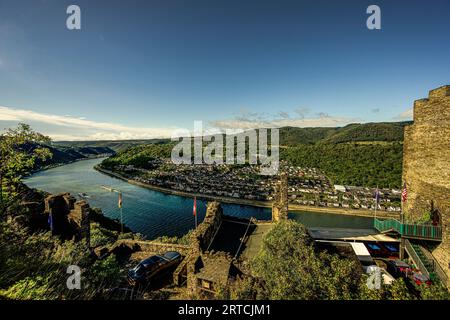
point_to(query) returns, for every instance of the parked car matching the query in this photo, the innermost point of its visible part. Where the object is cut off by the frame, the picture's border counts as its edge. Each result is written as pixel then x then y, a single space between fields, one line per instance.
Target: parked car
pixel 398 268
pixel 374 249
pixel 148 268
pixel 390 250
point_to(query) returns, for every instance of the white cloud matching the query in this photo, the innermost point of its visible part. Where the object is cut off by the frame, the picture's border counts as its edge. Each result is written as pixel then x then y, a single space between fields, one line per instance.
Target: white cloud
pixel 252 121
pixel 405 115
pixel 67 127
pixel 85 129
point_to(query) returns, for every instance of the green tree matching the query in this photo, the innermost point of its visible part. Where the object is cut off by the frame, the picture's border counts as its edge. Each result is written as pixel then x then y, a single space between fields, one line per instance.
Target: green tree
pixel 19 149
pixel 397 290
pixel 434 292
pixel 290 267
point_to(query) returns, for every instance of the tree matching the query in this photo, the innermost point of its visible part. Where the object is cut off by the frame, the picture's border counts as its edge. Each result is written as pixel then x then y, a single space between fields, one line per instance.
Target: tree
pixel 397 290
pixel 436 291
pixel 19 149
pixel 290 267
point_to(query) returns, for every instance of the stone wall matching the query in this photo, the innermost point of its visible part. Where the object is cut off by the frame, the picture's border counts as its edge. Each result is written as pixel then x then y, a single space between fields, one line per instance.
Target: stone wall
pixel 200 240
pixel 70 218
pixel 426 166
pixel 154 246
pixel 203 235
pixel 79 218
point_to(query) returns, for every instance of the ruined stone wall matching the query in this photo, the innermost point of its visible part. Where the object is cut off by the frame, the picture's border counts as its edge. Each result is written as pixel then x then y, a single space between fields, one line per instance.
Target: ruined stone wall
pixel 152 246
pixel 200 240
pixel 205 232
pixel 70 217
pixel 426 166
pixel 79 218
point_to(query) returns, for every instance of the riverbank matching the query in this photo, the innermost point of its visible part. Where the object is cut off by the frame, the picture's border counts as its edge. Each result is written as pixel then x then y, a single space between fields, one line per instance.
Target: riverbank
pixel 263 204
pixel 60 164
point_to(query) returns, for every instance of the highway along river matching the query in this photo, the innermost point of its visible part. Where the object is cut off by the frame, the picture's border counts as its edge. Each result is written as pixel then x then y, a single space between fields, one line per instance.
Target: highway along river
pixel 153 213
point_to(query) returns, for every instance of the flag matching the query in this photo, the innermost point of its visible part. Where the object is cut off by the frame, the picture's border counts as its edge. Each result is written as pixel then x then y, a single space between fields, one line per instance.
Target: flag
pixel 194 210
pixel 50 221
pixel 120 200
pixel 404 193
pixel 377 196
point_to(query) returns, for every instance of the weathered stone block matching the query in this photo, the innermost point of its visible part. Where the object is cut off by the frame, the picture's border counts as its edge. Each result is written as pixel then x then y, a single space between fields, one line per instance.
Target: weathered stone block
pixel 426 169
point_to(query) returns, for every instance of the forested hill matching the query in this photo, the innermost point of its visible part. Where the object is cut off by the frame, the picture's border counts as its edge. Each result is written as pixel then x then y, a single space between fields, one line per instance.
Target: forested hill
pixel 64 154
pixel 381 131
pixel 115 145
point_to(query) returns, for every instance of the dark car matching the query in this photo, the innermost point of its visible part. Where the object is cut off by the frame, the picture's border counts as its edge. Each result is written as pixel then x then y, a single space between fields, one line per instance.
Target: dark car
pixel 398 268
pixel 390 250
pixel 148 268
pixel 374 249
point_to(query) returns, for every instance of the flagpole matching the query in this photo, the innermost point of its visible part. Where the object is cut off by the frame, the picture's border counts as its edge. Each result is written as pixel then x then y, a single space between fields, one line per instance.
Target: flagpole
pixel 121 220
pixel 376 202
pixel 121 211
pixel 194 211
pixel 119 204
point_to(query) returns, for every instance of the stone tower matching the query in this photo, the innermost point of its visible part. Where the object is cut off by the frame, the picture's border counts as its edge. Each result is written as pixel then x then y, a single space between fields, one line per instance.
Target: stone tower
pixel 70 218
pixel 280 206
pixel 426 167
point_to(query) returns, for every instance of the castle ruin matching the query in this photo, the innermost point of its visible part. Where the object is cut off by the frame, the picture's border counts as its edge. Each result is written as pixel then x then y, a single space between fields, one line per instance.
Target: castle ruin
pixel 426 169
pixel 70 218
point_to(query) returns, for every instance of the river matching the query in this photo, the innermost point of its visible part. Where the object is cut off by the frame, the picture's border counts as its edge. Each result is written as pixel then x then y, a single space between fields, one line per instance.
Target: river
pixel 153 213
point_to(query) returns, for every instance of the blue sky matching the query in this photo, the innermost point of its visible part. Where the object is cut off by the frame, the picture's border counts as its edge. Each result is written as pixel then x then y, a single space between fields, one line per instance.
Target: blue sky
pixel 138 69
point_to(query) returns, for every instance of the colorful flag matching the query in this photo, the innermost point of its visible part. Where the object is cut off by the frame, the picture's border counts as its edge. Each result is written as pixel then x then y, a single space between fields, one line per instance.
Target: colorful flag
pixel 120 200
pixel 404 193
pixel 50 221
pixel 377 196
pixel 194 211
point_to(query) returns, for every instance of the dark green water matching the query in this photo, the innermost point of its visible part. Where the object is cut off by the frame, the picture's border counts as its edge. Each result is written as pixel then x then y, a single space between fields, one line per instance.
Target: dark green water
pixel 153 213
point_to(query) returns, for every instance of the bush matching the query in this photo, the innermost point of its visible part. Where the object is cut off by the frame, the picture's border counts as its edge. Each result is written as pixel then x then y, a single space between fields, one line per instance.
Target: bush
pixel 101 236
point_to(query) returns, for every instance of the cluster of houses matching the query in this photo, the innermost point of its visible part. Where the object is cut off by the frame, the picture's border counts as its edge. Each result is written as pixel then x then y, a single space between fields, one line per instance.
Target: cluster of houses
pixel 307 186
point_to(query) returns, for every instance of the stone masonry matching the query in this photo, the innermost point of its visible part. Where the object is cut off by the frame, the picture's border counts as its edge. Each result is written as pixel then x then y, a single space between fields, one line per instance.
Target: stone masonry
pixel 199 261
pixel 70 218
pixel 426 167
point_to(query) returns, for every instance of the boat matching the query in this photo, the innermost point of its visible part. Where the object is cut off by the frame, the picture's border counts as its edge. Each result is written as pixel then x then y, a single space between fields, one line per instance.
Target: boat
pixel 83 195
pixel 107 188
pixel 110 189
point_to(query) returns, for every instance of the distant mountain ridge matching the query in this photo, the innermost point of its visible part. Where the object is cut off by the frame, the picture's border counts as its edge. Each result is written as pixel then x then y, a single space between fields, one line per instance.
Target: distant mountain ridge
pixel 114 145
pixel 373 131
pixel 65 154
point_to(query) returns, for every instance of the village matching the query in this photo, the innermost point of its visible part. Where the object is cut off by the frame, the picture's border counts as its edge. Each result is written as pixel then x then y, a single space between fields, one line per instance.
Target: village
pixel 307 186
